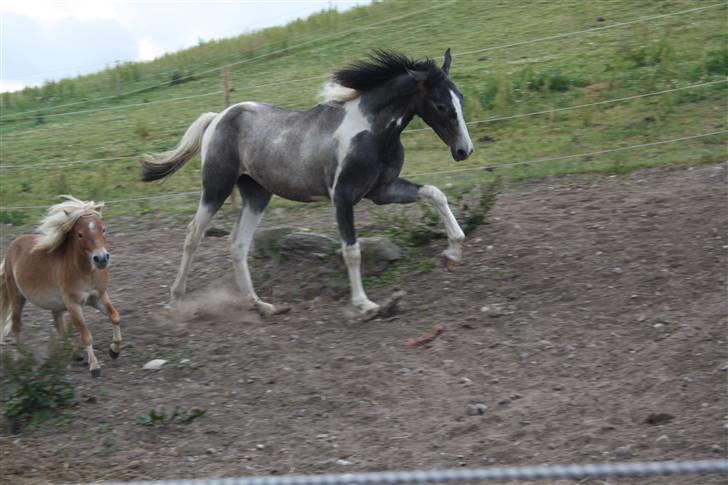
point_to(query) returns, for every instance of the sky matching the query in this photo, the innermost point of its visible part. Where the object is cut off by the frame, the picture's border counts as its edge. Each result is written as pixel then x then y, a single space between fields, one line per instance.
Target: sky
pixel 43 40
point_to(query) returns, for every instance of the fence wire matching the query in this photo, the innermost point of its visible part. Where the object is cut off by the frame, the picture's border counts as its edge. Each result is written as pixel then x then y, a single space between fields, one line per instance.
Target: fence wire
pixel 464 475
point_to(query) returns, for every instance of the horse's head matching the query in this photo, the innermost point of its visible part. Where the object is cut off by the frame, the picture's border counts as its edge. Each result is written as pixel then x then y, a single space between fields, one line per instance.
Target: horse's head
pixel 88 233
pixel 441 106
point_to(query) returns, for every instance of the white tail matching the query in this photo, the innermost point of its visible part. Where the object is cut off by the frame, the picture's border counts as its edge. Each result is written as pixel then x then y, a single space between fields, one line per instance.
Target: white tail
pixel 160 165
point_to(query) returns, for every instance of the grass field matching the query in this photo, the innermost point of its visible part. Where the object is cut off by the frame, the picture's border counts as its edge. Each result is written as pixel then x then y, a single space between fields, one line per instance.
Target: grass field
pixel 510 59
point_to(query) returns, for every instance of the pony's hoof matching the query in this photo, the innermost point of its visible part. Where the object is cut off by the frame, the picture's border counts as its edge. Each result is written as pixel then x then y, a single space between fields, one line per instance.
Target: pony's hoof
pixel 112 354
pixel 96 372
pixel 449 264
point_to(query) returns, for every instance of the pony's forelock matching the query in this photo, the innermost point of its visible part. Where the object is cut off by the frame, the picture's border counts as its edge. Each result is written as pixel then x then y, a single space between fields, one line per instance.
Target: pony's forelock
pixel 60 219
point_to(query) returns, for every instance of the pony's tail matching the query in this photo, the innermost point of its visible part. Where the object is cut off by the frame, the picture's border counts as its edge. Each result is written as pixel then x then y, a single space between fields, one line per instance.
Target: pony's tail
pixel 5 309
pixel 159 165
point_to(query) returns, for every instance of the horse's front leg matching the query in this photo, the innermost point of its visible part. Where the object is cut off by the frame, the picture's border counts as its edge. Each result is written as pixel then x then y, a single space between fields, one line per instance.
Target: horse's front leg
pixel 403 191
pixel 104 305
pixel 76 312
pixel 352 255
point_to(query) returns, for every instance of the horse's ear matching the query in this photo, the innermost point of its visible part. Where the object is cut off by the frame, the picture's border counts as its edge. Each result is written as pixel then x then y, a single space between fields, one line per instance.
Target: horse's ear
pixel 448 61
pixel 67 211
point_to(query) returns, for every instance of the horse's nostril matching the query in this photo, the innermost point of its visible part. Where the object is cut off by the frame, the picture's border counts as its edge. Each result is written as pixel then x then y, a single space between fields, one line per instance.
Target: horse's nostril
pixel 461 153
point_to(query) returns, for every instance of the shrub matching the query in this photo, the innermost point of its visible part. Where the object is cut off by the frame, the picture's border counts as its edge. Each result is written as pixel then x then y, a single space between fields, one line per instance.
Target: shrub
pixel 16 218
pixel 36 391
pixel 716 62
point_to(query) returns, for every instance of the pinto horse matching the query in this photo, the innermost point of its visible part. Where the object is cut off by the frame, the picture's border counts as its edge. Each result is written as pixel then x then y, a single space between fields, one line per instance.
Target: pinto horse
pixel 60 269
pixel 344 149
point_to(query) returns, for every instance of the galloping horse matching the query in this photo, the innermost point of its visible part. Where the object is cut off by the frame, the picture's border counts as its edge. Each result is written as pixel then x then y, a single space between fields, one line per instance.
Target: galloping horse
pixel 60 269
pixel 344 149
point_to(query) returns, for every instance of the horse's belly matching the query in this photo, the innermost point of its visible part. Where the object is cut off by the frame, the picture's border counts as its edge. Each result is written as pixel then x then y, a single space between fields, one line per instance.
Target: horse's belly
pixel 43 297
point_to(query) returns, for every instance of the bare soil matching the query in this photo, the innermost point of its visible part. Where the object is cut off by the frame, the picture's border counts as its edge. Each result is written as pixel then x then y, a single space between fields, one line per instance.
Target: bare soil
pixel 589 318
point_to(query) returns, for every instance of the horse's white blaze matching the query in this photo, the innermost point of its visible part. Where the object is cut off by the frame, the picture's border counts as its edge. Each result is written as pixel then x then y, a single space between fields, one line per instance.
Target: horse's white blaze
pixel 354 122
pixel 352 258
pixel 455 235
pixel 462 127
pixel 91 226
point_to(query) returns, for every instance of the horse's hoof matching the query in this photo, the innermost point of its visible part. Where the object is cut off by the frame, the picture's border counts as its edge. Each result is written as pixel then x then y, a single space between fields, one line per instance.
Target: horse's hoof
pixel 449 263
pixel 96 372
pixel 268 310
pixel 112 354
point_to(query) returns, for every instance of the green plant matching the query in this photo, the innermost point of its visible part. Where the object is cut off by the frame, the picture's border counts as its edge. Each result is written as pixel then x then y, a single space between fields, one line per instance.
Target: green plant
pixel 716 61
pixel 161 418
pixel 36 391
pixel 473 214
pixel 16 218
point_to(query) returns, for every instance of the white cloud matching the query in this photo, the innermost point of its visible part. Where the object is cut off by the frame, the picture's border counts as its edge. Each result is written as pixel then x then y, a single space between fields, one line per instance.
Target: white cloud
pixel 148 49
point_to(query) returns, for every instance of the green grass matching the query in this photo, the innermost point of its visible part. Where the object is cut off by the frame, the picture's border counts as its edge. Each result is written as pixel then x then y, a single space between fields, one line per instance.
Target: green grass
pixel 586 68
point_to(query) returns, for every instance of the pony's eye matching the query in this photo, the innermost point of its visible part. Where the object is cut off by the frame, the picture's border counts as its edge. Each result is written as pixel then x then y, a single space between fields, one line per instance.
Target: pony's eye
pixel 80 236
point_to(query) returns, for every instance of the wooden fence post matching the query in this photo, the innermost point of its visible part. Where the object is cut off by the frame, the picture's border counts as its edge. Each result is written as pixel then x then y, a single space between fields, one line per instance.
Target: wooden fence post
pixel 226 103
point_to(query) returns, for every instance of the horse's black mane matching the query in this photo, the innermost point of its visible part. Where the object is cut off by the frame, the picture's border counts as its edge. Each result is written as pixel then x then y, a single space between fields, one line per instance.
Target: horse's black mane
pixel 382 66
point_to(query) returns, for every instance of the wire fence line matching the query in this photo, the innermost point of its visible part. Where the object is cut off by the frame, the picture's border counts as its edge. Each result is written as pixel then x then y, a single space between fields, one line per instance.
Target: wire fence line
pixel 232 64
pixel 489 167
pixel 15 117
pixel 463 475
pixel 593 29
pixel 567 157
pixel 67 163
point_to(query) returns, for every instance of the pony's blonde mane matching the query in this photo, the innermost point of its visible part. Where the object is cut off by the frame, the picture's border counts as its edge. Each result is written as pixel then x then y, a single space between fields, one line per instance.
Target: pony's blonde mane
pixel 60 219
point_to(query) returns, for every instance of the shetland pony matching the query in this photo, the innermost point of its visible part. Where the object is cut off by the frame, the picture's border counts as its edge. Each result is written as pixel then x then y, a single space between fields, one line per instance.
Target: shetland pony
pixel 62 268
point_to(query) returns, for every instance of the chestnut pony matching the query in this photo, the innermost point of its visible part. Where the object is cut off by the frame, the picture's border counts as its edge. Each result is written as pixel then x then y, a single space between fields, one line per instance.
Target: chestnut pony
pixel 61 268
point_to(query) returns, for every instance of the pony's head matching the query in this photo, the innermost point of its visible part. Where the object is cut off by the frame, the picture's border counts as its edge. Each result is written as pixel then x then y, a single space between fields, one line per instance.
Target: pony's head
pixel 440 105
pixel 79 223
pixel 430 92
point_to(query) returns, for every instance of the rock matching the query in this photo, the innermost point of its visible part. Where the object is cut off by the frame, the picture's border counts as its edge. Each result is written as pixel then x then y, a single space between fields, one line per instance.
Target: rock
pixel 216 232
pixel 476 409
pixel 266 241
pixel 662 440
pixel 377 253
pixel 624 452
pixel 306 245
pixel 155 364
pixel 658 419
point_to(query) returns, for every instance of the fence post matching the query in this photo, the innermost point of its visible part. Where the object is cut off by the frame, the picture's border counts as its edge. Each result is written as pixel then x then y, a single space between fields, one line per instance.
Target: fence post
pixel 226 103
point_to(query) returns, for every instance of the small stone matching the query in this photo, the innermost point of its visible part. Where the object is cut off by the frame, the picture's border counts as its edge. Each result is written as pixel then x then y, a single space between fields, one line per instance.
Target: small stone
pixel 155 364
pixel 724 367
pixel 716 448
pixel 618 270
pixel 662 440
pixel 624 452
pixel 504 402
pixel 658 325
pixel 260 446
pixel 558 387
pixel 476 409
pixel 343 462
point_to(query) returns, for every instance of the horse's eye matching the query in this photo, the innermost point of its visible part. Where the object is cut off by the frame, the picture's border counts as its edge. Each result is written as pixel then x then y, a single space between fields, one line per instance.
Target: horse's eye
pixel 80 236
pixel 440 107
pixel 103 229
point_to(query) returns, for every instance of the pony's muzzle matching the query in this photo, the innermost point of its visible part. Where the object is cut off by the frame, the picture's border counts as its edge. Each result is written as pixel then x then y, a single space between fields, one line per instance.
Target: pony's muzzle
pixel 101 259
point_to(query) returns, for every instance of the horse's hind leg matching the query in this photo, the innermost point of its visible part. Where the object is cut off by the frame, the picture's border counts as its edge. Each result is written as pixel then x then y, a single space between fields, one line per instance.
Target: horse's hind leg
pixel 256 199
pixel 195 230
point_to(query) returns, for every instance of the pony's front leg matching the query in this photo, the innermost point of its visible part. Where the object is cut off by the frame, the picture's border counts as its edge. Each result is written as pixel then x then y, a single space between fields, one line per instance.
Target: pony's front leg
pixel 76 313
pixel 104 305
pixel 455 235
pixel 352 256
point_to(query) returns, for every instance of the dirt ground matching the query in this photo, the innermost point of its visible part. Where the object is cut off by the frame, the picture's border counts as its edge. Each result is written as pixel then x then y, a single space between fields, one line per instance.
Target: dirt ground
pixel 587 324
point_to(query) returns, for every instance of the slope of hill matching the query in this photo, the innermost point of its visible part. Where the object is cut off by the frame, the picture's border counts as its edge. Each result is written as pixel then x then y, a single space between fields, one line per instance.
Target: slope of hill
pixel 521 67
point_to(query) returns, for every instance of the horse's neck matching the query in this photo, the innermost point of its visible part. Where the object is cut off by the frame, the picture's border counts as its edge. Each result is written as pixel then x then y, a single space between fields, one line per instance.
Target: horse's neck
pixel 75 259
pixel 390 107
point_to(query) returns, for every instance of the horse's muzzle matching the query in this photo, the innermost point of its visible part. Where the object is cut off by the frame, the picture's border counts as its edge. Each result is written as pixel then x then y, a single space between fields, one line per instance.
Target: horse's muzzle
pixel 461 153
pixel 101 260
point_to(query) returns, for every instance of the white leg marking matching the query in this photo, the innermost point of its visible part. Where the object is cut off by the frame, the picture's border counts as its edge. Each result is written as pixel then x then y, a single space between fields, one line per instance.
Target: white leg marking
pixel 92 362
pixel 352 258
pixel 455 235
pixel 239 248
pixel 116 338
pixel 194 235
